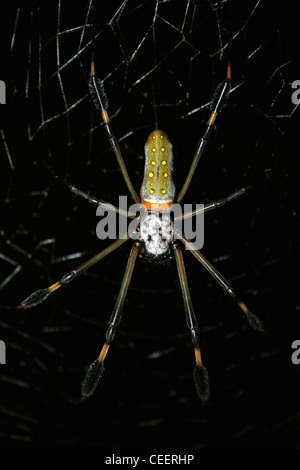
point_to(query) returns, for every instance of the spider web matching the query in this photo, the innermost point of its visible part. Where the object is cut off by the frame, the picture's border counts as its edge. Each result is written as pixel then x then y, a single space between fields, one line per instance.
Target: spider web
pixel 175 53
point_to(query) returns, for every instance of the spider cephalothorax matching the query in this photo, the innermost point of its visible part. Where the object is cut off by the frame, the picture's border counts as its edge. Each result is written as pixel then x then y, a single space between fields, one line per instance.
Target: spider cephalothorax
pixel 156 233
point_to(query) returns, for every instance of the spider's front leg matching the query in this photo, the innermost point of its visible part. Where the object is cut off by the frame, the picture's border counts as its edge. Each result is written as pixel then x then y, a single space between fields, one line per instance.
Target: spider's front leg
pixel 96 369
pixel 200 372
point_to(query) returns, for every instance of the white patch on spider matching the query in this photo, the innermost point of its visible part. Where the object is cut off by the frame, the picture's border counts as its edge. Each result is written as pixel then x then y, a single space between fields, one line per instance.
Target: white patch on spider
pixel 156 231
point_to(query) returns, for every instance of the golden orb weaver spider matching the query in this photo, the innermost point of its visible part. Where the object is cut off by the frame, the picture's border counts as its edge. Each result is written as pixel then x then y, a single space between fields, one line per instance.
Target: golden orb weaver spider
pixel 153 241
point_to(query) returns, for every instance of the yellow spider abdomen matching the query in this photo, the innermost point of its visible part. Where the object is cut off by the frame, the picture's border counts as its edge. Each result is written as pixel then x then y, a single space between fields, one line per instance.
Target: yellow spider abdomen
pixel 158 171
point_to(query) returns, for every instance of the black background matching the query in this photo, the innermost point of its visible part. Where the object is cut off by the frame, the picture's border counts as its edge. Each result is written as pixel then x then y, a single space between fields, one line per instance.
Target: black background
pixel 147 400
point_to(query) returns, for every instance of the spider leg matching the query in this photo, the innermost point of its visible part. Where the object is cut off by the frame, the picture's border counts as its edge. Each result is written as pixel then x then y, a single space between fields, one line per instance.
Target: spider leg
pixel 96 369
pixel 212 205
pixel 88 197
pixel 200 372
pixel 252 319
pixel 100 101
pixel 40 295
pixel 218 103
pixel 99 202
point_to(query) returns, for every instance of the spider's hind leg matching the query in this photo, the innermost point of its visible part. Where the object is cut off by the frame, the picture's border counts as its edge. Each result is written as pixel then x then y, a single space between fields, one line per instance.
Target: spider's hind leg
pixel 100 101
pixel 218 103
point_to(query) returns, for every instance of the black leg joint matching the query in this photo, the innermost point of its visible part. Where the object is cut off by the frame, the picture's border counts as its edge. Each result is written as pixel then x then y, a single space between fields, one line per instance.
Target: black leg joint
pixel 220 203
pixel 67 278
pixel 110 334
pixel 232 293
pixel 195 337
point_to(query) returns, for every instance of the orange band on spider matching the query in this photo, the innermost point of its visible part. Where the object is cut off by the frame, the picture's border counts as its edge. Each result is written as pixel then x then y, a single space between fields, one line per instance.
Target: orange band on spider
pixel 103 353
pixel 156 206
pixel 93 69
pixel 243 307
pixel 198 357
pixel 228 72
pixel 212 118
pixel 105 116
pixel 54 287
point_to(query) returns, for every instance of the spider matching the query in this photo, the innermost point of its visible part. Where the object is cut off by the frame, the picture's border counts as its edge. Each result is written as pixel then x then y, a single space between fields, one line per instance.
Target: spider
pixel 155 241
